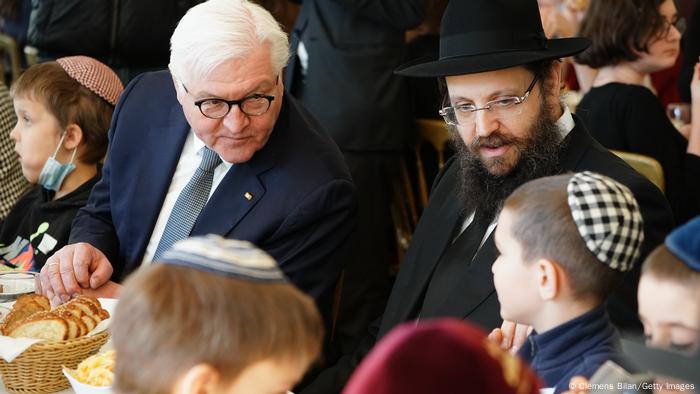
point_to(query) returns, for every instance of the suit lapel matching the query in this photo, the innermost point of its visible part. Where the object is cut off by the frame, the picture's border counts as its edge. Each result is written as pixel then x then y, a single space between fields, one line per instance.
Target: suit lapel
pixel 576 143
pixel 479 280
pixel 161 153
pixel 238 193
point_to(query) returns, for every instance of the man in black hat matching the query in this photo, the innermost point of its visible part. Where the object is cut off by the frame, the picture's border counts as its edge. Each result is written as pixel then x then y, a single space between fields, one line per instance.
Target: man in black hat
pixel 503 108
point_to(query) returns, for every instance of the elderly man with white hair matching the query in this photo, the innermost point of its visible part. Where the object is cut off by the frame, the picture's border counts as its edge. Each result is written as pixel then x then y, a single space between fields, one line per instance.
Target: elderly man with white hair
pixel 212 146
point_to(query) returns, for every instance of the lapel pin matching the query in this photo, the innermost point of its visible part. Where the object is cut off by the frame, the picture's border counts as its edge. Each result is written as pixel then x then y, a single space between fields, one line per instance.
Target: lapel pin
pixel 248 196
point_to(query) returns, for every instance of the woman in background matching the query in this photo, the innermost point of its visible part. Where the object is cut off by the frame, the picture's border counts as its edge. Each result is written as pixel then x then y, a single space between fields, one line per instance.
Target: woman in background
pixel 631 39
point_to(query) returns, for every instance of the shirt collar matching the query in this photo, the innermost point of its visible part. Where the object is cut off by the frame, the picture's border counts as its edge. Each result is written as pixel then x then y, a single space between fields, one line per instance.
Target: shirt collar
pixel 565 123
pixel 199 144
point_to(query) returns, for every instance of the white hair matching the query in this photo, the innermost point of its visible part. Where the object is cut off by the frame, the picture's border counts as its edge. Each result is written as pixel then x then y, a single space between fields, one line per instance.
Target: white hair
pixel 217 31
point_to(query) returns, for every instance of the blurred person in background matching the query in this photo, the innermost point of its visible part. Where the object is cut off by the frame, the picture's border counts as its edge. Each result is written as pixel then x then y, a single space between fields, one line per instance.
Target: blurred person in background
pixel 560 19
pixel 131 36
pixel 14 21
pixel 424 42
pixel 632 38
pixel 342 70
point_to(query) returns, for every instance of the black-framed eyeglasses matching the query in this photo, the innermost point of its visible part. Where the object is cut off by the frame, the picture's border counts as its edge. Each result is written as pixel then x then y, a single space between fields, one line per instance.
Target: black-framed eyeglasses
pixel 501 108
pixel 217 108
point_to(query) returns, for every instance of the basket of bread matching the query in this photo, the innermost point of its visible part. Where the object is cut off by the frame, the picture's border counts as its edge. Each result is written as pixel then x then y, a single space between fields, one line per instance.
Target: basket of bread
pixel 66 337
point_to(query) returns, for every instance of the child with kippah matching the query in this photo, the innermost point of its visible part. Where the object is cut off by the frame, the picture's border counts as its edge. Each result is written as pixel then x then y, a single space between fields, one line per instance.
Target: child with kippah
pixel 63 112
pixel 565 242
pixel 669 291
pixel 215 316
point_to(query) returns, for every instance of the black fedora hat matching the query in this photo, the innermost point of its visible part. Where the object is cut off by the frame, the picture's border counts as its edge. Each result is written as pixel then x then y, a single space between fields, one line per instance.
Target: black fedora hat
pixel 486 35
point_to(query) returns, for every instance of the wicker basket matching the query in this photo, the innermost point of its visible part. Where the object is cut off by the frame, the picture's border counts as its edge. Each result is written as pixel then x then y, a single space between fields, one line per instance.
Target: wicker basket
pixel 39 369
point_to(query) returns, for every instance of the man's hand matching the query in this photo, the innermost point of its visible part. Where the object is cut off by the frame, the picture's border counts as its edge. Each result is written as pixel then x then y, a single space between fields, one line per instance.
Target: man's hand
pixel 695 83
pixel 510 336
pixel 70 270
pixel 694 134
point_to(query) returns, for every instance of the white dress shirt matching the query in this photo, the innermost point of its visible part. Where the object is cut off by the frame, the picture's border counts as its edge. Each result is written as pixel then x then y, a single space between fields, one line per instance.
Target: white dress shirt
pixel 189 161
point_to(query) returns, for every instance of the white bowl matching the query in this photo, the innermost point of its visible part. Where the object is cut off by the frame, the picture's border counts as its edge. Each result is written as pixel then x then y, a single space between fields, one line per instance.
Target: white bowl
pixel 82 388
pixel 3 312
pixel 14 284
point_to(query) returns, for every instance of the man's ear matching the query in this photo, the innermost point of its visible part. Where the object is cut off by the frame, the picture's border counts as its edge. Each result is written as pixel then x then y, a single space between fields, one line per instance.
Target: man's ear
pixel 73 138
pixel 200 379
pixel 179 90
pixel 549 280
pixel 552 87
pixel 555 74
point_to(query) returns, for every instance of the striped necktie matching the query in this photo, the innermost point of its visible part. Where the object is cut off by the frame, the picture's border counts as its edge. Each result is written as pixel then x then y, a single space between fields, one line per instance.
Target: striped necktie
pixel 189 203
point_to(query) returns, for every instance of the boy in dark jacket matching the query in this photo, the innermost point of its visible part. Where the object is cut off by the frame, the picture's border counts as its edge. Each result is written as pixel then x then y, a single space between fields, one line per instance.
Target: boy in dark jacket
pixel 63 112
pixel 564 243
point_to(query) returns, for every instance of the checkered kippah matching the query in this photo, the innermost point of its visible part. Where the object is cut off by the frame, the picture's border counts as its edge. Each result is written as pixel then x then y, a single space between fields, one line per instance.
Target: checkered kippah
pixel 607 217
pixel 225 257
pixel 94 75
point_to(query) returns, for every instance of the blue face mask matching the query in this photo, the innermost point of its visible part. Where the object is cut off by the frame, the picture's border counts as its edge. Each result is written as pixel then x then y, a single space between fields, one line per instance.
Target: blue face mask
pixel 53 173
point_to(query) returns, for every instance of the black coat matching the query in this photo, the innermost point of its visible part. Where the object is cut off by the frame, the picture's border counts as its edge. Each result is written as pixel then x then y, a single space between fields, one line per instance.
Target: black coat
pixel 476 300
pixel 122 33
pixel 350 87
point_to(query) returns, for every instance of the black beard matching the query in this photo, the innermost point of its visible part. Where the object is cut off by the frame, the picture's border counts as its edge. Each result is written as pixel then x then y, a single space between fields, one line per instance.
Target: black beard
pixel 484 192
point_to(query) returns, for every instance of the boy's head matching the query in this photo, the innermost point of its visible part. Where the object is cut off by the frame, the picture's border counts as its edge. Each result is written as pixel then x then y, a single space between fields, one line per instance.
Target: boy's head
pixel 214 315
pixel 669 291
pixel 564 238
pixel 64 108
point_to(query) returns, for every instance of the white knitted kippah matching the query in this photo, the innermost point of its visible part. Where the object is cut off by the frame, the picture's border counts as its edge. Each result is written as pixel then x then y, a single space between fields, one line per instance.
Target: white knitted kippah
pixel 226 257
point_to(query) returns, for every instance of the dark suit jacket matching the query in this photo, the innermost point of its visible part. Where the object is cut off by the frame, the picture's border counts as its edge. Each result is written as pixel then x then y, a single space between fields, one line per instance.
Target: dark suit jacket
pixel 477 301
pixel 350 87
pixel 303 197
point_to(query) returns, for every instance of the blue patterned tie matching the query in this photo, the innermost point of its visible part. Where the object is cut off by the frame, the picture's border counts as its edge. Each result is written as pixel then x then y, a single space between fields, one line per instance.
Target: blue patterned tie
pixel 189 203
